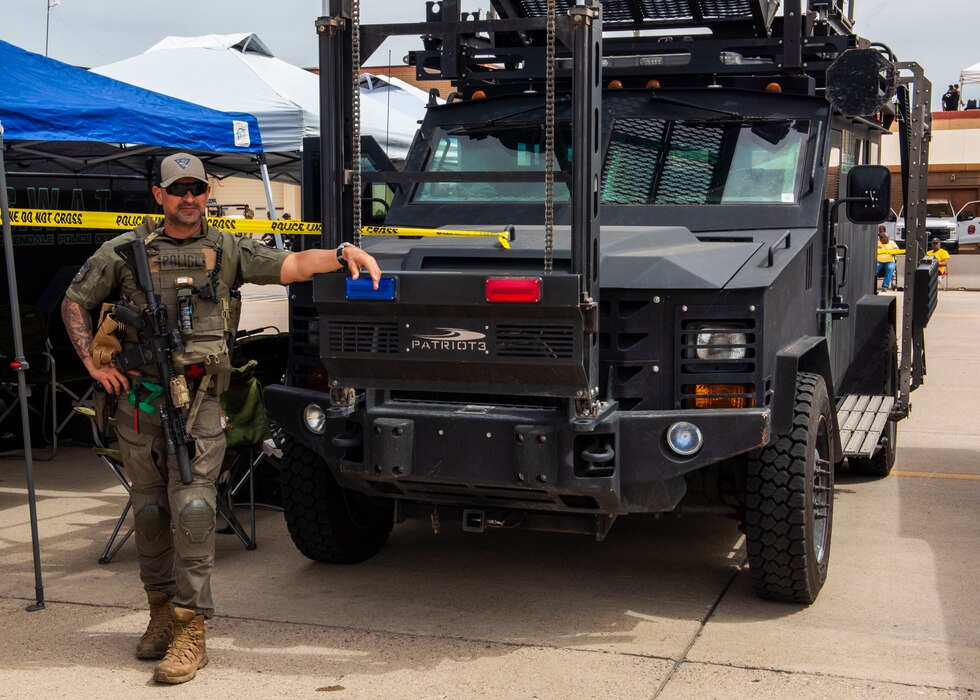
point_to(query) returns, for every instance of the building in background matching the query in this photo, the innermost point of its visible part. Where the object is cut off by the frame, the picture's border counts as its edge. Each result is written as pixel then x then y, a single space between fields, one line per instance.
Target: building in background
pixel 954 159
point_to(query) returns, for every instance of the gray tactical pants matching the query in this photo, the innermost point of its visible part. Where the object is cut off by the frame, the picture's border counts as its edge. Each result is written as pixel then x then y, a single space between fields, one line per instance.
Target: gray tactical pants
pixel 174 521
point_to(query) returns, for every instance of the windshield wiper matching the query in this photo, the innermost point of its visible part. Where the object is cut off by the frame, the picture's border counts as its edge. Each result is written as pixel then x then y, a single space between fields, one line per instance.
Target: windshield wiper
pixel 681 103
pixel 494 123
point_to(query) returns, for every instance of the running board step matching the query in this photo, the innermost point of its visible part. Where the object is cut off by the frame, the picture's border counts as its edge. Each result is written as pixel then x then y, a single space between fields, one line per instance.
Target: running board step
pixel 862 420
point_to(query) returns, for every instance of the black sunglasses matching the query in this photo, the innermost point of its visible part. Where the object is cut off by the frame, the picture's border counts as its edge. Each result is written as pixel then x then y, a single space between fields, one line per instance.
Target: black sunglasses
pixel 179 189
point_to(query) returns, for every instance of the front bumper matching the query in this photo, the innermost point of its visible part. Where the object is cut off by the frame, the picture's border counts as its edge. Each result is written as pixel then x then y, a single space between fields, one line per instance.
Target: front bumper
pixel 515 457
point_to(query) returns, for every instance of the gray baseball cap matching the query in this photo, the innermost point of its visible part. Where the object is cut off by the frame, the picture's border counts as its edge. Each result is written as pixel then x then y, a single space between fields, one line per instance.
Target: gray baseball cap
pixel 173 168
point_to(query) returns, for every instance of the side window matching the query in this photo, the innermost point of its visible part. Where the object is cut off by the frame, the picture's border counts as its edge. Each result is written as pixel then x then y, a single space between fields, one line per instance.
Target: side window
pixel 850 151
pixel 874 153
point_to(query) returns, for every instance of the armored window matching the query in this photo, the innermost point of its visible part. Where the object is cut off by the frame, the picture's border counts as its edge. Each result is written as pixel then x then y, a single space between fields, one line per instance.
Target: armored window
pixel 654 161
pixel 498 148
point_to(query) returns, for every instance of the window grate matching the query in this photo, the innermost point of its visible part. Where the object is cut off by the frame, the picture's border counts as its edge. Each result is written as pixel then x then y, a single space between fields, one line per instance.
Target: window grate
pixel 654 11
pixel 701 358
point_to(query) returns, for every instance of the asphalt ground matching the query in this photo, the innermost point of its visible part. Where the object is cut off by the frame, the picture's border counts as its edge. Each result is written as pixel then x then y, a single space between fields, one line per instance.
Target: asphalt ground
pixel 663 608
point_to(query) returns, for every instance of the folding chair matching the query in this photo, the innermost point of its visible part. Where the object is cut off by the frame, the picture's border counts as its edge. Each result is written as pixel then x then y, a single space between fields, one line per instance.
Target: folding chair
pixel 41 369
pixel 72 379
pixel 249 440
pixel 112 458
pixel 944 277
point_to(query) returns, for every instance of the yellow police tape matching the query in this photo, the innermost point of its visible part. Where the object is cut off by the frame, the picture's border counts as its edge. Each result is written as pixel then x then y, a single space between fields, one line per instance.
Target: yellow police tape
pixel 126 222
pixel 894 251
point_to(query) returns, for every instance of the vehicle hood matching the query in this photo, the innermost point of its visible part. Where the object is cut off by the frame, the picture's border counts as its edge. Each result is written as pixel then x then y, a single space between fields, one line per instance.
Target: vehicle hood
pixel 632 257
pixel 671 257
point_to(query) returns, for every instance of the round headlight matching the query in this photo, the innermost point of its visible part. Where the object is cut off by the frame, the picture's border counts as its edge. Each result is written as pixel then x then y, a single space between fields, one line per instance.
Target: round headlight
pixel 315 419
pixel 684 438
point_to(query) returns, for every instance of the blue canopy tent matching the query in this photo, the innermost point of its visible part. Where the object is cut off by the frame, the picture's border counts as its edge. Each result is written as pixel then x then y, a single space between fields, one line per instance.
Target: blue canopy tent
pixel 78 122
pixel 46 100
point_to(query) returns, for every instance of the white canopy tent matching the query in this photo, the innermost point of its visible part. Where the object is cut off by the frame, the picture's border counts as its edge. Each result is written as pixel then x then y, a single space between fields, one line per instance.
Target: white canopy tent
pixel 237 72
pixel 970 75
pixel 395 96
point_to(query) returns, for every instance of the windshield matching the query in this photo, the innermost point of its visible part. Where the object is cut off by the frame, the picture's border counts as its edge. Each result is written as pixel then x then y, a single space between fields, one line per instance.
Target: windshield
pixel 939 209
pixel 495 148
pixel 651 161
pixel 648 161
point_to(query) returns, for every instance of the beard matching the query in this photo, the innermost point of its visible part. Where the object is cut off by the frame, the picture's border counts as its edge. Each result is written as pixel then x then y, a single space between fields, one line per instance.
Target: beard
pixel 188 215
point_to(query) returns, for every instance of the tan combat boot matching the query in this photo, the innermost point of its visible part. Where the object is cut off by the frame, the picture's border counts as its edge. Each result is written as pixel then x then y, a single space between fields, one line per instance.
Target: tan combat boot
pixel 156 640
pixel 186 653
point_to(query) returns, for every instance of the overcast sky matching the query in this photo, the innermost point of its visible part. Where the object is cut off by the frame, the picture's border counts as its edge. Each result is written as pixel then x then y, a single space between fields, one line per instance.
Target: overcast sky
pixel 943 35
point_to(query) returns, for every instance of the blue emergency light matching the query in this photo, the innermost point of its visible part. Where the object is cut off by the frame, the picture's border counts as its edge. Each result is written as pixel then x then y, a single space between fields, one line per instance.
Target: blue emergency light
pixel 362 289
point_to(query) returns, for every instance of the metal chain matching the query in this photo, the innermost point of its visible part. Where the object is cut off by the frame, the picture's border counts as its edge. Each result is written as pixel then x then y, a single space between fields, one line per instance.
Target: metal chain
pixel 356 117
pixel 549 142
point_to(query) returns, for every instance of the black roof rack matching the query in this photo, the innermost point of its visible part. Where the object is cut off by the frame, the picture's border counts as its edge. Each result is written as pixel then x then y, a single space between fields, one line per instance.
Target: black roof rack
pixel 624 15
pixel 662 37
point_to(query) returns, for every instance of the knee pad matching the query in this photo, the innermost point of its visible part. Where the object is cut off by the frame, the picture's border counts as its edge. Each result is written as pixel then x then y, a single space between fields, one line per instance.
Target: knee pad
pixel 152 523
pixel 196 521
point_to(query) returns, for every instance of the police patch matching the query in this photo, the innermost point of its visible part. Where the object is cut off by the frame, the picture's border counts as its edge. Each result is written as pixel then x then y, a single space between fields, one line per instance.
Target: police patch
pixel 83 270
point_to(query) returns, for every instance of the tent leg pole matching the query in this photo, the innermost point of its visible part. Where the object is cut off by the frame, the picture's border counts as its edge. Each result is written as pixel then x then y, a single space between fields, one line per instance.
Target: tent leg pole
pixel 8 249
pixel 267 184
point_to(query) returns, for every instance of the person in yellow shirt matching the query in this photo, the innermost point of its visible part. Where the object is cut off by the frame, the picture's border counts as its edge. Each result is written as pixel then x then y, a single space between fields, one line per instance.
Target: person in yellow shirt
pixel 936 251
pixel 886 260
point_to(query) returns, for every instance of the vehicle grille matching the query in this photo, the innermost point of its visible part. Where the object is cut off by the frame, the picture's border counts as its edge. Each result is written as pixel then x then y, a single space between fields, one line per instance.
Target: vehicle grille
pixel 380 337
pixel 941 233
pixel 535 341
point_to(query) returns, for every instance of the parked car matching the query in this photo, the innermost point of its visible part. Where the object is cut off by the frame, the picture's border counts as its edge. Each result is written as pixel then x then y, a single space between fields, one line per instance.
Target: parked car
pixel 968 224
pixel 941 221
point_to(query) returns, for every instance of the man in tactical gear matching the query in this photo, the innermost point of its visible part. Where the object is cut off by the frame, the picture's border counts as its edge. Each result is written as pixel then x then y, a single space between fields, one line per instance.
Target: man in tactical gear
pixel 193 267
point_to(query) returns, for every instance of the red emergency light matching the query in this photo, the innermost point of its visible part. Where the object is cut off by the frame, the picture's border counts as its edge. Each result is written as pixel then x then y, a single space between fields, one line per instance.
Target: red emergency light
pixel 513 290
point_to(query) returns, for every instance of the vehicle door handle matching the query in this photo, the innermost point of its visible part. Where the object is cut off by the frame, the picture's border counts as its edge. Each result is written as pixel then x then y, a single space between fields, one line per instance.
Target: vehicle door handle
pixel 784 239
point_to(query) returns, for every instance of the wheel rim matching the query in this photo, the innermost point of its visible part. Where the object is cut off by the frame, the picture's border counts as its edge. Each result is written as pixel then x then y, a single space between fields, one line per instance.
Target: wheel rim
pixel 822 491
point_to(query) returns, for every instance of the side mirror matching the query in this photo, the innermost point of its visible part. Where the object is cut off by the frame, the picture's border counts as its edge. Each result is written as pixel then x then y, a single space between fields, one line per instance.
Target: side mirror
pixel 893 217
pixel 965 216
pixel 869 193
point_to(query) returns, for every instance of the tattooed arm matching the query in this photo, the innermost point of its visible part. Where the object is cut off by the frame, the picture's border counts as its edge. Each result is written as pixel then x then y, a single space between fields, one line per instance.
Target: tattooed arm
pixel 78 323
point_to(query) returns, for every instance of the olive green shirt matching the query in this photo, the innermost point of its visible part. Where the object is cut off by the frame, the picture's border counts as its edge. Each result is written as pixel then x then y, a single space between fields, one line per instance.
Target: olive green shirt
pixel 243 260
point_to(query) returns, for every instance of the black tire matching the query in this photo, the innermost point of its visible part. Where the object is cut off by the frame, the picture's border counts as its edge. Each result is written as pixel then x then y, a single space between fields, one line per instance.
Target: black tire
pixel 327 522
pixel 881 462
pixel 789 503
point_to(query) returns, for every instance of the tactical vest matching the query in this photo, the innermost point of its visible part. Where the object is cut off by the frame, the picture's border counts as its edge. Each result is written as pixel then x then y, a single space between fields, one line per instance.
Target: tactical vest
pixel 212 320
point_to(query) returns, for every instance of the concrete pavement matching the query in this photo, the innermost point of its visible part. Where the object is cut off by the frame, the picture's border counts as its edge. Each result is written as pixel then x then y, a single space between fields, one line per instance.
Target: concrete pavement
pixel 662 608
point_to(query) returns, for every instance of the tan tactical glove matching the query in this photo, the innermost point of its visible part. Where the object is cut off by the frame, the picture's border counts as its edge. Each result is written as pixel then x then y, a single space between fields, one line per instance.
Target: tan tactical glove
pixel 106 343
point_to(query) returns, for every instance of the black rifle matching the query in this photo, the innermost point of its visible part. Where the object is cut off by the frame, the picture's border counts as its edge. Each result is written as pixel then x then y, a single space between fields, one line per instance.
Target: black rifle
pixel 156 346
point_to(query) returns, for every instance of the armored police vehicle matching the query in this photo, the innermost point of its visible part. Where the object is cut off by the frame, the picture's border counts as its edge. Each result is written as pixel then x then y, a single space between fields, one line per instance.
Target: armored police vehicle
pixel 628 268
